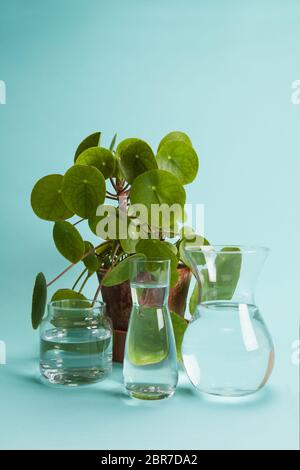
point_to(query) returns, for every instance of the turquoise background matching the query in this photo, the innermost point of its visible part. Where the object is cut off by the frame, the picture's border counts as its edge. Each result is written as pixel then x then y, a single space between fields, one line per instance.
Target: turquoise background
pixel 221 70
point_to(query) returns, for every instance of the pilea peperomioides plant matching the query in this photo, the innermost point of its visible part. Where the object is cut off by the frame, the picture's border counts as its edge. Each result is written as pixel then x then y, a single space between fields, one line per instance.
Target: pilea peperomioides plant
pixel 119 185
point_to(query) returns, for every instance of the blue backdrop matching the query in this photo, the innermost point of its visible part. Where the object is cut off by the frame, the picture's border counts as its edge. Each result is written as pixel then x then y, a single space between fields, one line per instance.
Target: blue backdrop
pixel 220 70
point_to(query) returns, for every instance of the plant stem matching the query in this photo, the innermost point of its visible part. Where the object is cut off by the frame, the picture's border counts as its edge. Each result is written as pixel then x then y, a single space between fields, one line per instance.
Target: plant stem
pixel 79 277
pixel 113 184
pixel 78 222
pixel 61 274
pixel 110 194
pixel 71 265
pixel 84 282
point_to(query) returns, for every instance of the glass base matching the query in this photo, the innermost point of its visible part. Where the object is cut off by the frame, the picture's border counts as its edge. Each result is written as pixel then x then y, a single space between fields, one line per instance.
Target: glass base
pixel 74 377
pixel 228 392
pixel 150 391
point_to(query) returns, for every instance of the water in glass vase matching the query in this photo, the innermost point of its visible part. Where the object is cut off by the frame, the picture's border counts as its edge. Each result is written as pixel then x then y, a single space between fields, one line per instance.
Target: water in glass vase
pixel 75 356
pixel 150 364
pixel 227 350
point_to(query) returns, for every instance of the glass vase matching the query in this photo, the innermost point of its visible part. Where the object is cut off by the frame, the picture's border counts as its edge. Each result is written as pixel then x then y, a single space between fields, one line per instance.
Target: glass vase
pixel 227 349
pixel 75 343
pixel 150 363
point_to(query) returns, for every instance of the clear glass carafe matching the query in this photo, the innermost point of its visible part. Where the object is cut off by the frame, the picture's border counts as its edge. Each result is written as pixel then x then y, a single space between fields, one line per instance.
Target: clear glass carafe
pixel 227 349
pixel 150 363
pixel 75 343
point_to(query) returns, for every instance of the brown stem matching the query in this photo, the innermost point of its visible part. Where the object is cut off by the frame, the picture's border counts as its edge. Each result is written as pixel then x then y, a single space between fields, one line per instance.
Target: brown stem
pixel 61 274
pixel 84 282
pixel 113 184
pixel 119 185
pixel 71 266
pixel 79 277
pixel 78 222
pixel 111 194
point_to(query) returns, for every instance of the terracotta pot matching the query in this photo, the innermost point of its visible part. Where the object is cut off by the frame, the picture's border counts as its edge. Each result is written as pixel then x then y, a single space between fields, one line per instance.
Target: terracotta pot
pixel 178 293
pixel 119 303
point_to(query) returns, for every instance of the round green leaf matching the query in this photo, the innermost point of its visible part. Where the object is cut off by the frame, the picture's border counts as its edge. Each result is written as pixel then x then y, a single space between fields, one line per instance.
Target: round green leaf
pixel 83 189
pixel 157 187
pixel 180 159
pixel 90 261
pixel 122 146
pixel 100 158
pixel 135 158
pixel 39 299
pixel 65 294
pixel 175 135
pixel 120 272
pixel 90 141
pixel 128 245
pixel 46 199
pixel 68 241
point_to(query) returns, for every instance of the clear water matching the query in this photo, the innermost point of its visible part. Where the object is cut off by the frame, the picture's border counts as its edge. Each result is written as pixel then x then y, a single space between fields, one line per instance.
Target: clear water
pixel 227 350
pixel 150 364
pixel 75 356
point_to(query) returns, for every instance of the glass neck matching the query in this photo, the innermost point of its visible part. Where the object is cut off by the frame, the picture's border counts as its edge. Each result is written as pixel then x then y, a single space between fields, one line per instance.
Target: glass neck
pixel 149 296
pixel 224 275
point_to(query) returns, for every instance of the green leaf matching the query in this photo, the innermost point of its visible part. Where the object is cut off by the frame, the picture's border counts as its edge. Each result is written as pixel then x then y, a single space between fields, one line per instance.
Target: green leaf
pixel 83 189
pixel 179 327
pixel 160 250
pixel 135 158
pixel 194 299
pixel 113 142
pixel 91 261
pixel 197 241
pixel 66 294
pixel 46 199
pixel 120 272
pixel 175 135
pixel 129 245
pixel 180 159
pixel 158 187
pixel 92 140
pixel 68 241
pixel 228 268
pixel 148 339
pixel 122 146
pixel 39 299
pixel 100 158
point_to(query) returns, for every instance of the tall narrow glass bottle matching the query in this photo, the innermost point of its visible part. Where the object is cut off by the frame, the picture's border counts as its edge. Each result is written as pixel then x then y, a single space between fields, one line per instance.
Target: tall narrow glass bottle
pixel 150 363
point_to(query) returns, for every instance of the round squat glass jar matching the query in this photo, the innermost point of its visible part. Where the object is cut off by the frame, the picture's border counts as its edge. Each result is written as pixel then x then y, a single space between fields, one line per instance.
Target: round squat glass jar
pixel 75 343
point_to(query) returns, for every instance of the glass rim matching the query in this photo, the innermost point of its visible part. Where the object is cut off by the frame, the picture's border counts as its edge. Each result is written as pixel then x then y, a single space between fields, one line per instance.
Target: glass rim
pixel 231 249
pixel 97 304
